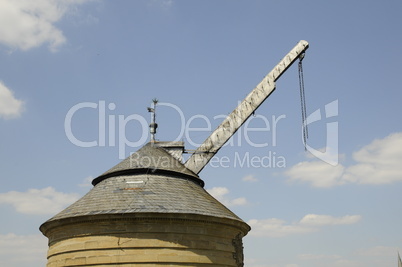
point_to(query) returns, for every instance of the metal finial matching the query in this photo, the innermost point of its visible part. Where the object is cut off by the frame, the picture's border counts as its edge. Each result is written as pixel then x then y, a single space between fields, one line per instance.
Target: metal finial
pixel 153 125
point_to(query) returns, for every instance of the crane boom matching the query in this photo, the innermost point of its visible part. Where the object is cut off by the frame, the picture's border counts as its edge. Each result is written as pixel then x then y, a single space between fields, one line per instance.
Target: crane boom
pixel 203 154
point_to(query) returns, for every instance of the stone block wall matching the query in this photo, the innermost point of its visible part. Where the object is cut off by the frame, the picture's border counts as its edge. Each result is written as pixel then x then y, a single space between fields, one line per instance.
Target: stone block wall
pixel 151 240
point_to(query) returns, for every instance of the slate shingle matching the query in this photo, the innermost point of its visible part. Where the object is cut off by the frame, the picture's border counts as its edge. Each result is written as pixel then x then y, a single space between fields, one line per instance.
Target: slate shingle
pixel 149 181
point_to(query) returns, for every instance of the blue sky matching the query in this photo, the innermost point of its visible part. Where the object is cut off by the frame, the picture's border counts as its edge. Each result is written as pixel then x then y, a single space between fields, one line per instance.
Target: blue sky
pixel 202 57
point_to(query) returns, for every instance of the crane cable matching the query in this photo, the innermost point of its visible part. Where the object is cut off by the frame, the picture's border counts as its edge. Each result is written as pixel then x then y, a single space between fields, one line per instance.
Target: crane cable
pixel 303 102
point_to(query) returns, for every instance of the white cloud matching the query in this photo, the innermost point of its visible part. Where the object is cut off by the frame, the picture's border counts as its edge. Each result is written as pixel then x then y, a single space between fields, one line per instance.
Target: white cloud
pixel 25 24
pixel 318 173
pixel 260 263
pixel 23 250
pixel 38 201
pixel 164 4
pixel 220 193
pixel 379 251
pixel 10 107
pixel 310 223
pixel 276 228
pixel 376 163
pixel 249 178
pixel 319 220
pixel 318 257
pixel 344 263
pixel 252 262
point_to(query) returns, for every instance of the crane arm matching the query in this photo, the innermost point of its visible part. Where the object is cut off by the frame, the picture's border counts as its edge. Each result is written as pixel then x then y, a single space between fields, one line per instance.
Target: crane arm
pixel 203 154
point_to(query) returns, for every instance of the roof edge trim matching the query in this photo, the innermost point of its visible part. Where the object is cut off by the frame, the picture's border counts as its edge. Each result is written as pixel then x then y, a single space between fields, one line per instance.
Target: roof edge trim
pixel 179 175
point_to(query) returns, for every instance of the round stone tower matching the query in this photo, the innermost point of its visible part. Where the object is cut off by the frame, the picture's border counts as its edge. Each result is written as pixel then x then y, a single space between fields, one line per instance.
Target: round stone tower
pixel 149 210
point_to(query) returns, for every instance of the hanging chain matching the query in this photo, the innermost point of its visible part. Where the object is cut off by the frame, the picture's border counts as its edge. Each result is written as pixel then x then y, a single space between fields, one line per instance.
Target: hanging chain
pixel 303 101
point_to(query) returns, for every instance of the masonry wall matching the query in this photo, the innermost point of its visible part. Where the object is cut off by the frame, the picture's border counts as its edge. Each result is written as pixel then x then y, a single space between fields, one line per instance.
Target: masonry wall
pixel 149 241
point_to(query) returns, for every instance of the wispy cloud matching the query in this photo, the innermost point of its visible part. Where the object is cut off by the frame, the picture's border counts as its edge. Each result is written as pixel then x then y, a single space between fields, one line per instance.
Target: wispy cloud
pixel 320 220
pixel 374 256
pixel 164 4
pixel 10 107
pixel 276 228
pixel 249 178
pixel 250 262
pixel 221 194
pixel 310 223
pixel 376 163
pixel 87 182
pixel 317 173
pixel 319 257
pixel 32 247
pixel 28 24
pixel 344 263
pixel 379 251
pixel 38 201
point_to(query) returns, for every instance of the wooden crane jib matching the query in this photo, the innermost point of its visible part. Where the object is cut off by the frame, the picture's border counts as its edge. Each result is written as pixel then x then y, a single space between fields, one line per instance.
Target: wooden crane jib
pixel 203 154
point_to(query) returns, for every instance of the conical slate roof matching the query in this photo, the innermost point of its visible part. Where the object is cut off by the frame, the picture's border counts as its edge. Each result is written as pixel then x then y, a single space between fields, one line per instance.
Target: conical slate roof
pixel 150 181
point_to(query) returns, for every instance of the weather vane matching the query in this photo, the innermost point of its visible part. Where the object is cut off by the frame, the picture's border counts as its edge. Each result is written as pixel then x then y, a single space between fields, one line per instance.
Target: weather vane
pixel 153 125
